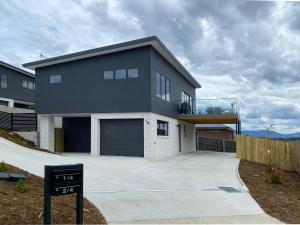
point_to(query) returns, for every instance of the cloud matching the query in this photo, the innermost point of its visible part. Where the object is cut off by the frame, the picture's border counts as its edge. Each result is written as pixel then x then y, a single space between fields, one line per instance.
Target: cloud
pixel 244 49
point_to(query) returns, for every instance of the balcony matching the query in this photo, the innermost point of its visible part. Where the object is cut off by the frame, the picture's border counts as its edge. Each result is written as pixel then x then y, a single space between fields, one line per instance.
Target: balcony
pixel 210 111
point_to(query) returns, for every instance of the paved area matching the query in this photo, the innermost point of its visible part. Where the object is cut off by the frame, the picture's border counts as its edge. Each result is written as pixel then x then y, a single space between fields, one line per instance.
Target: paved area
pixel 182 189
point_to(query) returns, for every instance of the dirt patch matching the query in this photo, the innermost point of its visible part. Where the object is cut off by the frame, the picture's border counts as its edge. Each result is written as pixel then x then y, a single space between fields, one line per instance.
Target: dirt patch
pixel 28 207
pixel 17 139
pixel 281 201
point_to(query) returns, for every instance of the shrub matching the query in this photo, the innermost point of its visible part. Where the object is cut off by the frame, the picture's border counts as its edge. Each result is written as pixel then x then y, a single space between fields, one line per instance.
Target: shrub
pixel 3 166
pixel 275 179
pixel 21 186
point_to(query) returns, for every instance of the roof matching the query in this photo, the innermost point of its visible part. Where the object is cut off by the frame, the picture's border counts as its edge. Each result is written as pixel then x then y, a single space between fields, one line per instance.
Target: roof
pixel 16 69
pixel 213 126
pixel 148 41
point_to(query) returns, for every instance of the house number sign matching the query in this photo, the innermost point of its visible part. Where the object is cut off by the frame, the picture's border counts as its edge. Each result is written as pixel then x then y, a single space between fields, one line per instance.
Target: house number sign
pixel 63 180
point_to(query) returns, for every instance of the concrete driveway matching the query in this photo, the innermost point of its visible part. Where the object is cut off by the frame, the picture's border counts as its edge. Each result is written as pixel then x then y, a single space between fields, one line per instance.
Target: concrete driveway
pixel 186 188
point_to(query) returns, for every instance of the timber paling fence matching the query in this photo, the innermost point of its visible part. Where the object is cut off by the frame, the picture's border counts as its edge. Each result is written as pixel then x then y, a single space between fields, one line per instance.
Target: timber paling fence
pixel 18 121
pixel 283 154
pixel 216 145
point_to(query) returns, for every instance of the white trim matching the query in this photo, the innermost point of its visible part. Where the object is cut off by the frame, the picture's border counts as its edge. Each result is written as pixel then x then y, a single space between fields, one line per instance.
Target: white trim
pixel 9 101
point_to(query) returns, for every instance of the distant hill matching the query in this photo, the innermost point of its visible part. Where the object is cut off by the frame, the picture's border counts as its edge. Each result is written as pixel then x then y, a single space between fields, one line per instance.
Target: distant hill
pixel 271 134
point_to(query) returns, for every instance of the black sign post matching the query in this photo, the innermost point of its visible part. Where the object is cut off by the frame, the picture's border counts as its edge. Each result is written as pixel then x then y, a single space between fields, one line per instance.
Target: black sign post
pixel 63 180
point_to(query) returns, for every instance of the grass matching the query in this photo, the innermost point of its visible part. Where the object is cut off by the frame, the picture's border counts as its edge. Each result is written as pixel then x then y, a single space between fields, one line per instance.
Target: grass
pixel 17 139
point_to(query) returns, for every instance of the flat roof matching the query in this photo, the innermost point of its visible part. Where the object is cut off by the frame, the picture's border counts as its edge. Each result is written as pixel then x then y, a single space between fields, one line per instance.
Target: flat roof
pixel 148 41
pixel 16 69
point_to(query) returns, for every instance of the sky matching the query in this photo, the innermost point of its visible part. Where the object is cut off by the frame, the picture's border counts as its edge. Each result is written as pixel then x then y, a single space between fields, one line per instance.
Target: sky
pixel 249 50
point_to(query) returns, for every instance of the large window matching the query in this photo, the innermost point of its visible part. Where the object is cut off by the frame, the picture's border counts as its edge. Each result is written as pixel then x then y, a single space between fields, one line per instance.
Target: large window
pixel 120 74
pixel 108 75
pixel 54 79
pixel 162 128
pixel 3 81
pixel 162 87
pixel 133 73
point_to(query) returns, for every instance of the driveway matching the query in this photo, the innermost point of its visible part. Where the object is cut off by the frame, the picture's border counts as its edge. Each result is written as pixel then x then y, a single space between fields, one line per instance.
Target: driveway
pixel 184 189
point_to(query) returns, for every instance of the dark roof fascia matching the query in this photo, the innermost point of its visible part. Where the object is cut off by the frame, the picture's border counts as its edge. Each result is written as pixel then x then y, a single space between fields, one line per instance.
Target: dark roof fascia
pixel 16 69
pixel 152 41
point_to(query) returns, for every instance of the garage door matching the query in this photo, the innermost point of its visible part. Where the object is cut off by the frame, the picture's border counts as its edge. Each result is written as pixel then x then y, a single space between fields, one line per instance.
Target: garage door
pixel 77 134
pixel 122 137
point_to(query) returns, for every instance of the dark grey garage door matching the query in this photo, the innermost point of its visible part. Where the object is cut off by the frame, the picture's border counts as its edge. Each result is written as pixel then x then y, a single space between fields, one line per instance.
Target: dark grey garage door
pixel 122 137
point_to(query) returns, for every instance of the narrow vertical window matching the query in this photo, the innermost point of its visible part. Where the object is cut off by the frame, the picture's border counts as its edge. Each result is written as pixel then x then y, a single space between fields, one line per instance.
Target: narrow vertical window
pixel 163 87
pixel 3 81
pixel 158 88
pixel 167 90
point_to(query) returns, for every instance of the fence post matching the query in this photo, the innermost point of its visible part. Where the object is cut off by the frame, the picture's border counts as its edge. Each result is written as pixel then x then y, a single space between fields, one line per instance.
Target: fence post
pixel 224 149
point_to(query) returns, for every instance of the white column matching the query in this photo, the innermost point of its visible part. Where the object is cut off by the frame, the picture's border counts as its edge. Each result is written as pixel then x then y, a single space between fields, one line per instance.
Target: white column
pixel 47 132
pixel 11 103
pixel 95 136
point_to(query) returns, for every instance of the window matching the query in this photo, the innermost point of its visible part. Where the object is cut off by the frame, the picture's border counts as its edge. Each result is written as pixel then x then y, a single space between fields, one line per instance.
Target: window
pixel 108 75
pixel 54 79
pixel 25 84
pixel 167 90
pixel 162 87
pixel 133 73
pixel 158 85
pixel 186 97
pixel 162 128
pixel 30 85
pixel 120 74
pixel 5 103
pixel 3 81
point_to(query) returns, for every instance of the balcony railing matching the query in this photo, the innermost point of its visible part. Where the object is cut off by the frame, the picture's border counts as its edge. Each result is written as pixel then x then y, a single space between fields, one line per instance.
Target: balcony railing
pixel 222 106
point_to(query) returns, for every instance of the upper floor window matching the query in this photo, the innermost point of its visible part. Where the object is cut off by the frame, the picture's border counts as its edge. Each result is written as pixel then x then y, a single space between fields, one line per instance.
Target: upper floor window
pixel 121 74
pixel 162 87
pixel 30 85
pixel 25 84
pixel 3 81
pixel 54 79
pixel 162 128
pixel 108 75
pixel 133 73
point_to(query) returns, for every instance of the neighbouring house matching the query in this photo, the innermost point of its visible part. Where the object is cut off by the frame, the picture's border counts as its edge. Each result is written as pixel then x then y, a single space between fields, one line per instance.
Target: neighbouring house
pixel 216 131
pixel 127 99
pixel 17 88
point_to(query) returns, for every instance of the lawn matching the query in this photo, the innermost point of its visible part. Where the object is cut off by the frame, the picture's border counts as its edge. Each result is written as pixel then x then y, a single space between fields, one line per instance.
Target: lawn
pixel 27 207
pixel 282 200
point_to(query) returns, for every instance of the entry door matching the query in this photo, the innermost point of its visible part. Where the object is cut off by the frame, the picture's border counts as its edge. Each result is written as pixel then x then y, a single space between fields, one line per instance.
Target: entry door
pixel 122 137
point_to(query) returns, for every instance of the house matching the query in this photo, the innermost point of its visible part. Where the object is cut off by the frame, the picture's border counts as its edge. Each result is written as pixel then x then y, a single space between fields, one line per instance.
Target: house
pixel 120 100
pixel 17 87
pixel 216 131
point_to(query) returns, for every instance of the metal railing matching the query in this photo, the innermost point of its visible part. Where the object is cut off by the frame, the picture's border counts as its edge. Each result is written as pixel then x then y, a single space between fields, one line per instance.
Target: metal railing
pixel 18 121
pixel 216 145
pixel 219 106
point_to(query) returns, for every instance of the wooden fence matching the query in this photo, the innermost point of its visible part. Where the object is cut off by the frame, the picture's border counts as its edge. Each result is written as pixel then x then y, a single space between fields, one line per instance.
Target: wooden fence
pixel 216 145
pixel 58 140
pixel 18 121
pixel 283 154
pixel 297 156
